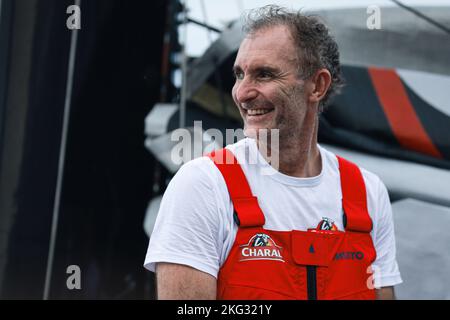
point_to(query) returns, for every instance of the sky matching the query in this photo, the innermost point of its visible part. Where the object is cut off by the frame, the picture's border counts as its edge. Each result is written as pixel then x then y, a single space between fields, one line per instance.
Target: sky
pixel 220 12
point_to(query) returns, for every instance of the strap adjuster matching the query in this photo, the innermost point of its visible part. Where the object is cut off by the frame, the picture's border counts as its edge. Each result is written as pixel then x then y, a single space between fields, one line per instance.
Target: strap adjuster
pixel 247 212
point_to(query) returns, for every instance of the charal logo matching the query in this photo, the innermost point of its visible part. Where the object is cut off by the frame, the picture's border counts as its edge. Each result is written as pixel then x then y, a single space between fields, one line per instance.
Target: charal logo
pixel 261 247
pixel 326 224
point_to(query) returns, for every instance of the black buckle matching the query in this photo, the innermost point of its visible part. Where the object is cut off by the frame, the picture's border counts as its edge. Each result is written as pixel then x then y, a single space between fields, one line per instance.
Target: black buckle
pixel 236 218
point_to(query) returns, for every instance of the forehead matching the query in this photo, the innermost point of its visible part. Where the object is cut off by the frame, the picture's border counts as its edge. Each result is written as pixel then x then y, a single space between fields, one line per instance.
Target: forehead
pixel 268 46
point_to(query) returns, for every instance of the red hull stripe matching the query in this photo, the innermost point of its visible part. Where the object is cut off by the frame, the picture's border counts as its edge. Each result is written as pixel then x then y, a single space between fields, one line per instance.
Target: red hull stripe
pixel 400 113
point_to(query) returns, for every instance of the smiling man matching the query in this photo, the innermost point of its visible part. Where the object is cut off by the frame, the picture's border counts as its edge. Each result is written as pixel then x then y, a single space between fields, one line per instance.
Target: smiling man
pixel 314 227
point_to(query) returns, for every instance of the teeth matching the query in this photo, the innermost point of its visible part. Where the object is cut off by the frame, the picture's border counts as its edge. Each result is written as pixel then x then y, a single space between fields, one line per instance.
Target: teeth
pixel 257 112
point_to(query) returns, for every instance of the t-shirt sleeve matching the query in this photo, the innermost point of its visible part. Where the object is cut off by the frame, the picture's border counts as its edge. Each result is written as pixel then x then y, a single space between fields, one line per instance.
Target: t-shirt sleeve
pixel 385 267
pixel 187 226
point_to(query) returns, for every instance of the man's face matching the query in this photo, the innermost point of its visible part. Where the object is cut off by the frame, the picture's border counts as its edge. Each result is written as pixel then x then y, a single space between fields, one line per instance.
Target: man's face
pixel 268 90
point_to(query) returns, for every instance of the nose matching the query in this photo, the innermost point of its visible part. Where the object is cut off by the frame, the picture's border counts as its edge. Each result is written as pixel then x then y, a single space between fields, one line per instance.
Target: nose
pixel 244 91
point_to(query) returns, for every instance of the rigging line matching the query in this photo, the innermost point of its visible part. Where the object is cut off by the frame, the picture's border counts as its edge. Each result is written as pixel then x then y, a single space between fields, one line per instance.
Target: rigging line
pixel 205 20
pixel 202 24
pixel 184 58
pixel 217 75
pixel 423 16
pixel 62 155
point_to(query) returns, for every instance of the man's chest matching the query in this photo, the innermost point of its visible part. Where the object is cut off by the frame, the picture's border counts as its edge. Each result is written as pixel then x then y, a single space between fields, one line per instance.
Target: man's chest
pixel 290 208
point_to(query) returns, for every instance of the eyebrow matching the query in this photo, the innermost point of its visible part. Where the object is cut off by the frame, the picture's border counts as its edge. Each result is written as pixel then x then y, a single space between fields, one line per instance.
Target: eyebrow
pixel 256 69
pixel 267 68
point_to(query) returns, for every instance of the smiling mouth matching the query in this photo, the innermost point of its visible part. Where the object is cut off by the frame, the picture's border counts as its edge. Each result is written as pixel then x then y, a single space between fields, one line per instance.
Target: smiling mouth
pixel 258 112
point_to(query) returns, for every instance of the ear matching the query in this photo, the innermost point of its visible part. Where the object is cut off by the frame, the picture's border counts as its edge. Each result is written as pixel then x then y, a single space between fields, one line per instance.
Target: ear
pixel 321 82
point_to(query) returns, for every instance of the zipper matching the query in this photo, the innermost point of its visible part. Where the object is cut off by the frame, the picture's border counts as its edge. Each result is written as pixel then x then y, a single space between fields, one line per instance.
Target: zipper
pixel 311 273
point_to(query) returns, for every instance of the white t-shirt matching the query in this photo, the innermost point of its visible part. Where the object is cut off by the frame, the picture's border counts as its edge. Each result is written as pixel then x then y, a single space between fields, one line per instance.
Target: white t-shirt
pixel 195 224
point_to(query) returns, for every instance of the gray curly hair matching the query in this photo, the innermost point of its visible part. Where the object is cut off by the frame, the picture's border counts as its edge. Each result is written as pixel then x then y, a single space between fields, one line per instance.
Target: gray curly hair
pixel 317 48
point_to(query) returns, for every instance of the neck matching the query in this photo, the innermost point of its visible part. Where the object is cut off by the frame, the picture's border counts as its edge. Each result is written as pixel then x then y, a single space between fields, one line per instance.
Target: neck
pixel 297 155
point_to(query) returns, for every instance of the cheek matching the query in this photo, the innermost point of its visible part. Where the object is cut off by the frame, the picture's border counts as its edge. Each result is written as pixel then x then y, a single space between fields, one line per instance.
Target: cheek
pixel 233 94
pixel 290 104
pixel 282 100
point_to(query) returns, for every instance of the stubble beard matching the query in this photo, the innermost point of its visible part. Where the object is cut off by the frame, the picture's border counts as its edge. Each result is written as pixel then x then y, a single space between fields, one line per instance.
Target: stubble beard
pixel 290 132
pixel 289 123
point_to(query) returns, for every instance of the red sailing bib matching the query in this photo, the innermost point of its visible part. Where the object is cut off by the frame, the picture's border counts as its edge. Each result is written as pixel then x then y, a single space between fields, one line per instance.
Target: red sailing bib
pixel 313 264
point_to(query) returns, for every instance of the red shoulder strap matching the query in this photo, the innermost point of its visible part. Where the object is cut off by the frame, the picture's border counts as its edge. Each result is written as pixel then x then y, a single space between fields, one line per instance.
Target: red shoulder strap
pixel 247 210
pixel 354 201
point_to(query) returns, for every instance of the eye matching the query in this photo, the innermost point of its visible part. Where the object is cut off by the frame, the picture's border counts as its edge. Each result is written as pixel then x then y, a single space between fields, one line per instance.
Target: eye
pixel 265 74
pixel 238 75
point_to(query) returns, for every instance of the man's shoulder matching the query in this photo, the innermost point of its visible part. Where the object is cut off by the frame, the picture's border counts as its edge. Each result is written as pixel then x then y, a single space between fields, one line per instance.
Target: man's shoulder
pixel 371 179
pixel 377 194
pixel 203 171
pixel 195 181
pixel 201 168
pixel 239 146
